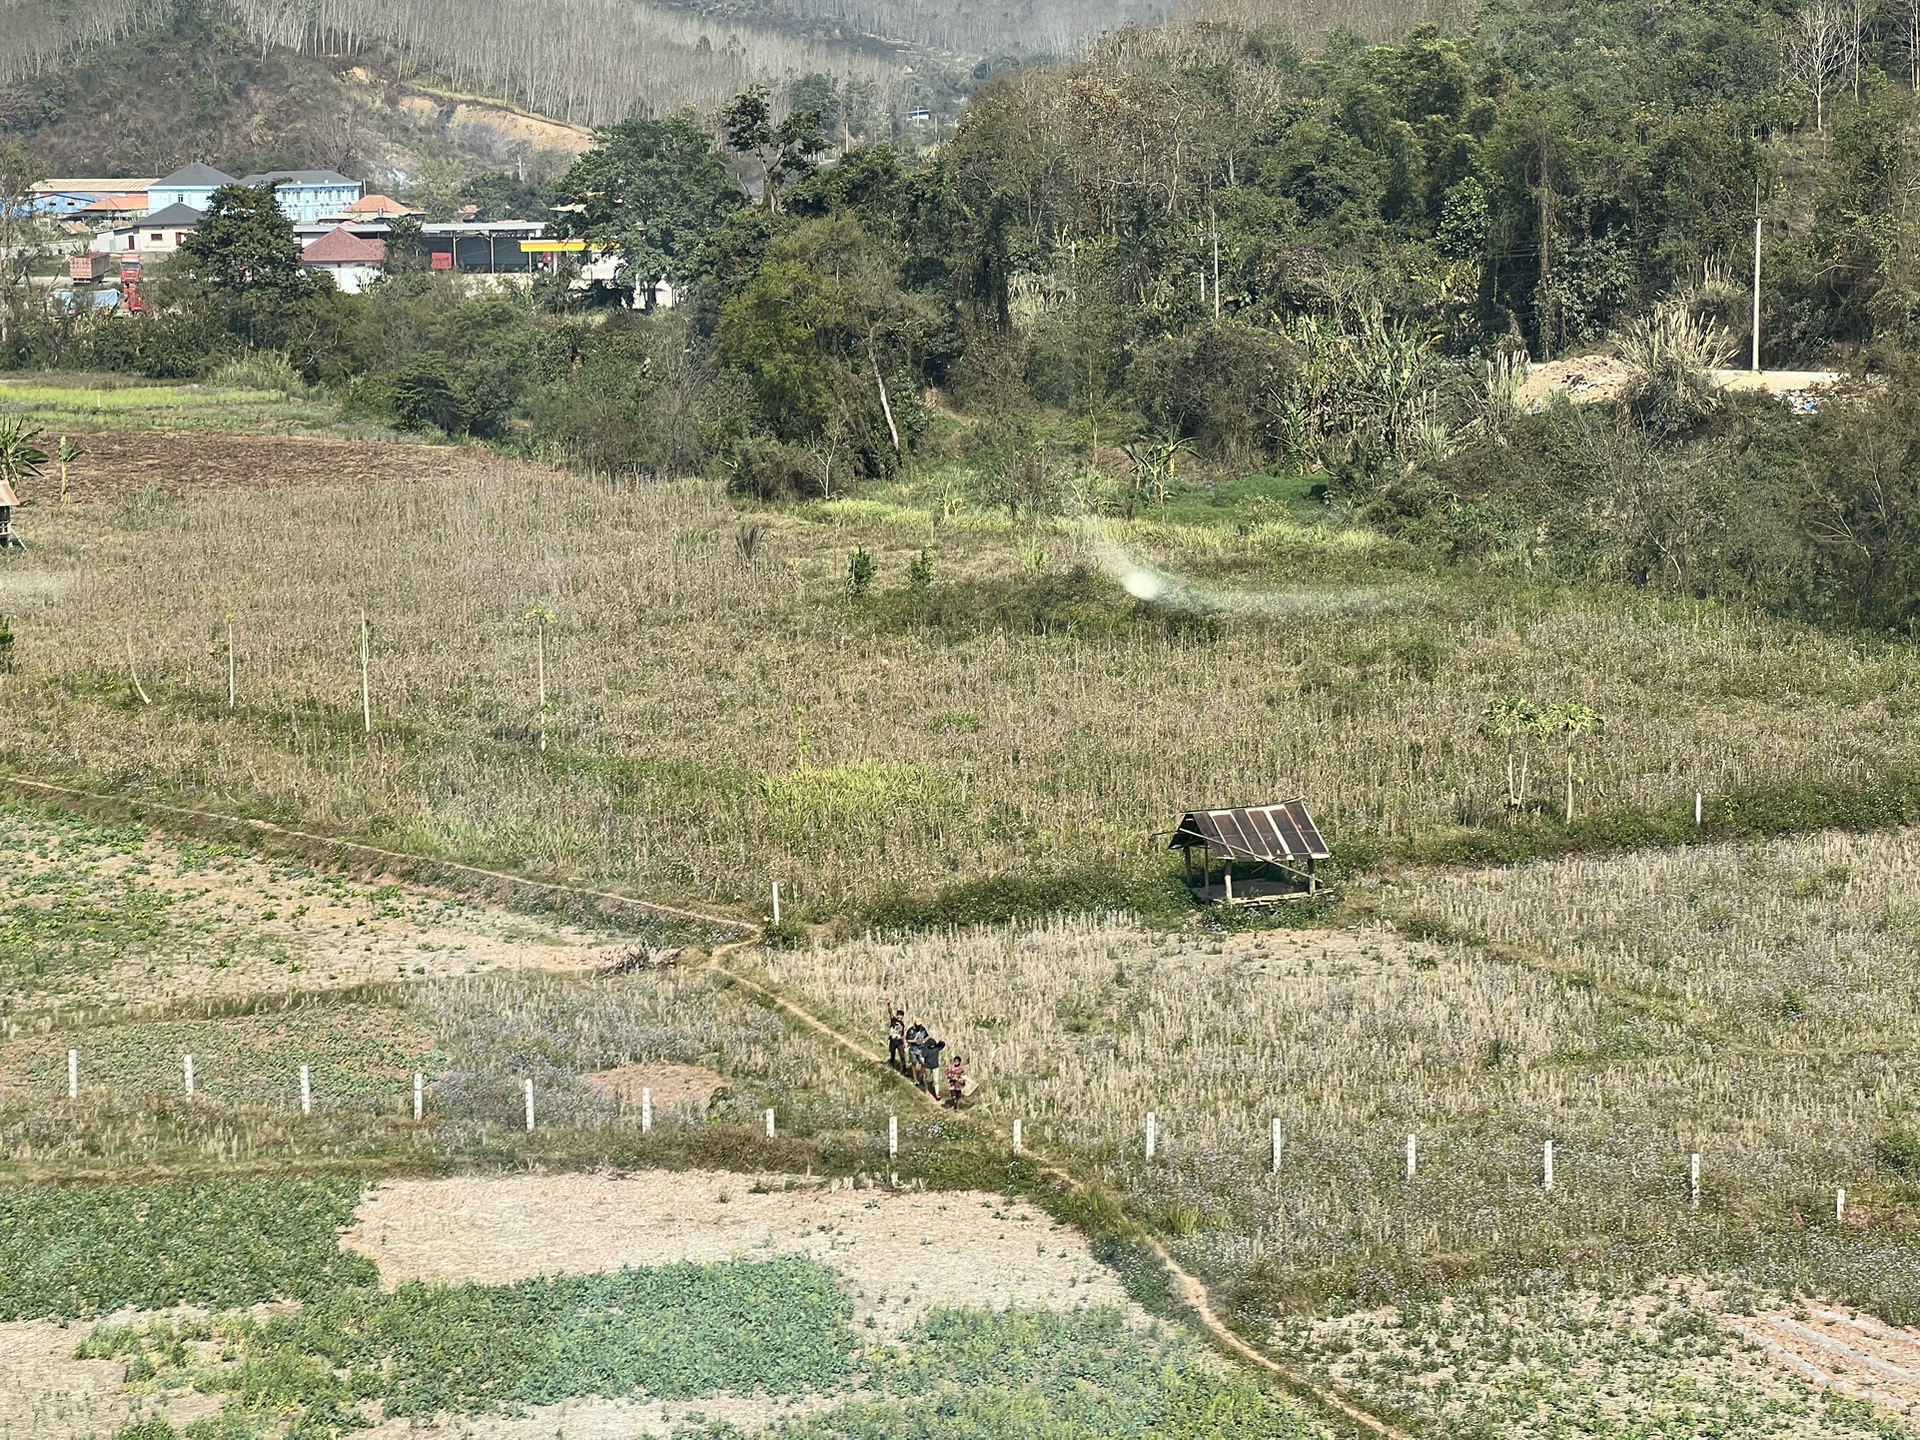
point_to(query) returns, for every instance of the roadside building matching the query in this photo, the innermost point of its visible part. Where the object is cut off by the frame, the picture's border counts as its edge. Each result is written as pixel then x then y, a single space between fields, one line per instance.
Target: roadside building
pixel 306 195
pixel 193 186
pixel 158 234
pixel 114 209
pixel 61 198
pixel 353 261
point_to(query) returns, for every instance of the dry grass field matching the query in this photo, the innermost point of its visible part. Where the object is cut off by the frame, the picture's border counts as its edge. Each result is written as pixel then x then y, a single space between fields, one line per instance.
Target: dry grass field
pixel 1749 1003
pixel 721 715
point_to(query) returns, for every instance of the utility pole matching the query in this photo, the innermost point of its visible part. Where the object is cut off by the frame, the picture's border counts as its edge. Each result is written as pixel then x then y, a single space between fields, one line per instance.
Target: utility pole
pixel 1757 221
pixel 1216 274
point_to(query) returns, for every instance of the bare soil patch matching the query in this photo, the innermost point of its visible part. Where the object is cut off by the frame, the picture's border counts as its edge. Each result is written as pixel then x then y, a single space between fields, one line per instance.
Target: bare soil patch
pixel 1586 379
pixel 46 1394
pixel 673 1087
pixel 119 463
pixel 900 1254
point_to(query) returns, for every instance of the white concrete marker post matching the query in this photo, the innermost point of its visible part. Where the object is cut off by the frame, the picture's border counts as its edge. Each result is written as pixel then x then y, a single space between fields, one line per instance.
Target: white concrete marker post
pixel 1693 1182
pixel 189 1076
pixel 73 1074
pixel 529 1089
pixel 1019 1138
pixel 419 1096
pixel 893 1136
pixel 1546 1167
pixel 1153 1134
pixel 769 1124
pixel 646 1111
pixel 1696 808
pixel 306 1091
pixel 1413 1155
pixel 1276 1144
pixel 776 902
pixel 1840 1207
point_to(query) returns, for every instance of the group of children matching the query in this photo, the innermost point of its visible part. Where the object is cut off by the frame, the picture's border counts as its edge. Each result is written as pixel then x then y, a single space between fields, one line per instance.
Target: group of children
pixel 912 1050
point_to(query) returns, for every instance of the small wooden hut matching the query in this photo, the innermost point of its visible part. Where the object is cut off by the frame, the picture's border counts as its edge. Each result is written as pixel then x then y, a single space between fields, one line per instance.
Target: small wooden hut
pixel 1251 854
pixel 7 501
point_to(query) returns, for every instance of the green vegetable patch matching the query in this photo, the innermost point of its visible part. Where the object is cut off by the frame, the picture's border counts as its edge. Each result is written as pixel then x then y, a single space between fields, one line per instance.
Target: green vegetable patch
pixel 82 1251
pixel 1051 1375
pixel 678 1332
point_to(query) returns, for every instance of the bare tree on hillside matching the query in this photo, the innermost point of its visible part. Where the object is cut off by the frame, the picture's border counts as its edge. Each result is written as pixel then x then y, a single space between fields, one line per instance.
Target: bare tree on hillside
pixel 1815 52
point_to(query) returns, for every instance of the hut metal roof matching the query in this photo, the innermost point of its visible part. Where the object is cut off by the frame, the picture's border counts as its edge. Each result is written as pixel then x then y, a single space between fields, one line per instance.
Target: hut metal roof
pixel 1276 833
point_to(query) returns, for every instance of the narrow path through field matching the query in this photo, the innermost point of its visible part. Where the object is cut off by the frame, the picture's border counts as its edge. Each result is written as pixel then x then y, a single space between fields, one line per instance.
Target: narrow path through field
pixel 1192 1292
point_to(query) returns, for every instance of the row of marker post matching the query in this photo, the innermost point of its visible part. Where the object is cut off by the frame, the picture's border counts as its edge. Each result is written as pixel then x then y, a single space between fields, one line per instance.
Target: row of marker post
pixel 893 1129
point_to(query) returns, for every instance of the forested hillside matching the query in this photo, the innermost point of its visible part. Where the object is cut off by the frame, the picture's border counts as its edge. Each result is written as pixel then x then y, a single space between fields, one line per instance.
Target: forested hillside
pixel 593 62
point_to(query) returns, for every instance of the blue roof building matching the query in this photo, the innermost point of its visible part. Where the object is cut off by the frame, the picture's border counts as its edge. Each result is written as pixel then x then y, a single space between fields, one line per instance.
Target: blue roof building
pixel 193 186
pixel 309 195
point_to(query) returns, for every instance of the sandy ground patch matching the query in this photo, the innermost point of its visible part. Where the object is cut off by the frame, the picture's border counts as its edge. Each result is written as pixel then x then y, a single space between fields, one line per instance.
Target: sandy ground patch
pixel 673 1087
pixel 900 1254
pixel 609 1419
pixel 1585 379
pixel 46 1394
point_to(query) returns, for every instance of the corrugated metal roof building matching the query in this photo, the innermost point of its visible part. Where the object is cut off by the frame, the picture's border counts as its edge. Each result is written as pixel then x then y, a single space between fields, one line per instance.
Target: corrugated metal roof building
pixel 1277 849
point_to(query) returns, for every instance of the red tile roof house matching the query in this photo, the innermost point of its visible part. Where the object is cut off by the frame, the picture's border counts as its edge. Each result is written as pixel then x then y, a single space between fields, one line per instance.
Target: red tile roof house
pixel 353 263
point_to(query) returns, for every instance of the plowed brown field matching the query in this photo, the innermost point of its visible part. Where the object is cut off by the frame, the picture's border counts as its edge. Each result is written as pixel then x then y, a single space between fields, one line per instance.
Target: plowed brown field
pixel 121 463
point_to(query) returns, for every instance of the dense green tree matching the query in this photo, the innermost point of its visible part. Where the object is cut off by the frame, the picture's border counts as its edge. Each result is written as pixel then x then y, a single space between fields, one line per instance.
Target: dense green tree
pixel 245 246
pixel 786 151
pixel 828 342
pixel 655 190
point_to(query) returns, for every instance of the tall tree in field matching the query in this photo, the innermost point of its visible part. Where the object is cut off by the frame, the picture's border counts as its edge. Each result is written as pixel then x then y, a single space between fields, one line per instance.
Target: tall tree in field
pixel 817 333
pixel 1512 720
pixel 787 152
pixel 1571 722
pixel 653 189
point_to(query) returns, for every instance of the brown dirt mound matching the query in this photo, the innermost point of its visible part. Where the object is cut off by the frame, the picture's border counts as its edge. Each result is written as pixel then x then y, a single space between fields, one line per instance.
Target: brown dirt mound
pixel 674 1087
pixel 121 463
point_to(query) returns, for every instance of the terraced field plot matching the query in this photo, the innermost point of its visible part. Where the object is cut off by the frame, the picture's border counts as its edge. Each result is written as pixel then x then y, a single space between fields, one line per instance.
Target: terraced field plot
pixel 102 915
pixel 1683 1358
pixel 687 1317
